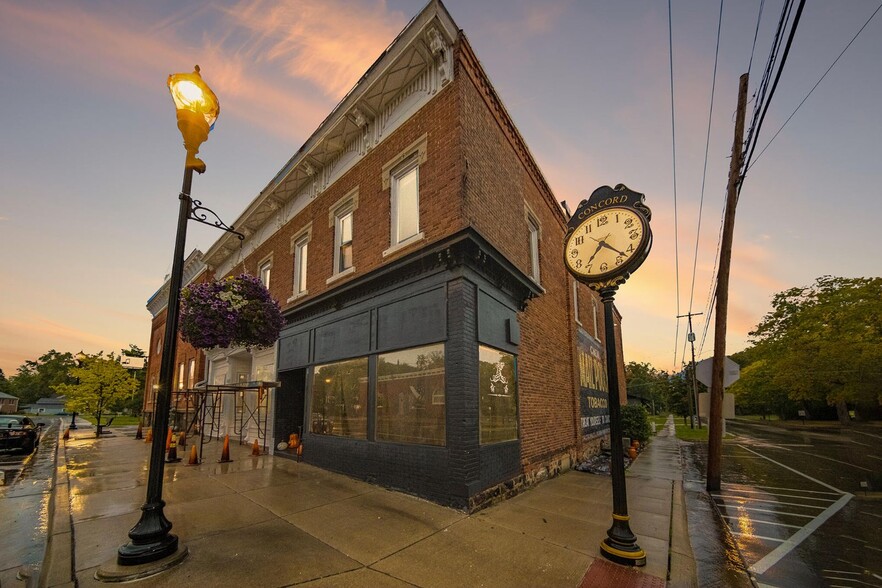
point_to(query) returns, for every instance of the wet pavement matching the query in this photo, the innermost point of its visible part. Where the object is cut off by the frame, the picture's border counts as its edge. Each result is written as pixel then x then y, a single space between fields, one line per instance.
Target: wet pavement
pixel 25 500
pixel 793 502
pixel 270 521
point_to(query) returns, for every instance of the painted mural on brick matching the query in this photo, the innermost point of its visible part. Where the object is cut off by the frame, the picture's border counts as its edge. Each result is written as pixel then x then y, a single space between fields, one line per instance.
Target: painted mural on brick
pixel 593 396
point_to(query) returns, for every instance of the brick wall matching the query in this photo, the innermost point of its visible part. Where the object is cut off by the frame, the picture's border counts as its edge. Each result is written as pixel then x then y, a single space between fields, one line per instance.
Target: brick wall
pixel 440 213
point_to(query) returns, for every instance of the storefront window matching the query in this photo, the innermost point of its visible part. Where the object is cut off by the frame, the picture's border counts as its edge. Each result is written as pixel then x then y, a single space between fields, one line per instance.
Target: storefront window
pixel 410 396
pixel 499 395
pixel 339 399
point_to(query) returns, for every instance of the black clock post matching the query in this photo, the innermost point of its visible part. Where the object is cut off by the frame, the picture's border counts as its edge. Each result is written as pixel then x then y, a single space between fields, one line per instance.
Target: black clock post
pixel 620 544
pixel 608 238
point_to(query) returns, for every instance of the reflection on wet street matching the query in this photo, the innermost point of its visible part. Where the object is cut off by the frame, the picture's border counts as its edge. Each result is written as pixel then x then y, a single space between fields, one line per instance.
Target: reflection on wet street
pixel 24 507
pixel 795 505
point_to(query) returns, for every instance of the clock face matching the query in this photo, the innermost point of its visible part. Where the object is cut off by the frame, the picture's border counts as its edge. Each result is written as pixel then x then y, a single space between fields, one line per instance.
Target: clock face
pixel 606 243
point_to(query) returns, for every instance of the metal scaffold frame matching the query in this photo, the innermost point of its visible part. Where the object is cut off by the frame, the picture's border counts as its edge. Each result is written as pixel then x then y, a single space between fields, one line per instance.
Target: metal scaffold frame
pixel 203 407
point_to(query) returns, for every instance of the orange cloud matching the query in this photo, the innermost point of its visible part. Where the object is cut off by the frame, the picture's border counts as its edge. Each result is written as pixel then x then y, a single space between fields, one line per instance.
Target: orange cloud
pixel 329 43
pixel 108 50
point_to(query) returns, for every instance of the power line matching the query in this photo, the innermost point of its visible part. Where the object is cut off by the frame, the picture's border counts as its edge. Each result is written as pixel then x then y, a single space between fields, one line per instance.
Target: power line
pixel 772 91
pixel 674 157
pixel 778 132
pixel 704 172
pixel 755 34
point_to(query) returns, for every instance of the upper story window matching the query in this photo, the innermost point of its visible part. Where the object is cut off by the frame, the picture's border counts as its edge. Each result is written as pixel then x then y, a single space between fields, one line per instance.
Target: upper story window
pixel 192 375
pixel 576 301
pixel 343 241
pixel 300 252
pixel 181 376
pixel 341 218
pixel 405 202
pixel 535 232
pixel 594 313
pixel 264 270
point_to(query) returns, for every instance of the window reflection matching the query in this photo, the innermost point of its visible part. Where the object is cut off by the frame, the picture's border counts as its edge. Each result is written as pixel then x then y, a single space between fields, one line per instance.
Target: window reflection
pixel 499 398
pixel 339 399
pixel 410 396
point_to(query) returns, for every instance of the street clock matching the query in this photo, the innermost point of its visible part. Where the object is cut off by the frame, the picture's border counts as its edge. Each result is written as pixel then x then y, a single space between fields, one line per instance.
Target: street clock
pixel 608 237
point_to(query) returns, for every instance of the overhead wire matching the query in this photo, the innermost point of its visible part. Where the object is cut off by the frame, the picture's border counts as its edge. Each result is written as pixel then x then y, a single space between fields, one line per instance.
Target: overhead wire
pixel 752 147
pixel 704 172
pixel 674 158
pixel 778 132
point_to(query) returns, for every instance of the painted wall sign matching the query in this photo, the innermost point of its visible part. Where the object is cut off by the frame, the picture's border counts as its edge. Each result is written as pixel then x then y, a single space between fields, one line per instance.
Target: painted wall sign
pixel 593 395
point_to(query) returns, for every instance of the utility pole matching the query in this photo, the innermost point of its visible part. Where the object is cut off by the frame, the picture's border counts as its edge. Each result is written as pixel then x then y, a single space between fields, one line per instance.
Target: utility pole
pixel 715 424
pixel 691 337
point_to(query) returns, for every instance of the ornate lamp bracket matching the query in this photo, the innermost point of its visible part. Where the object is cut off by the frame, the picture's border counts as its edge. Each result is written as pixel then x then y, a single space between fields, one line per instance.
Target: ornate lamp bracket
pixel 200 214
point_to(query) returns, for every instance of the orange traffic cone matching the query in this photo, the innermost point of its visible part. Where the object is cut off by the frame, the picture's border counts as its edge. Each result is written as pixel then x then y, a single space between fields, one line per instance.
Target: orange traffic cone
pixel 140 433
pixel 66 435
pixel 182 439
pixel 225 454
pixel 172 453
pixel 300 452
pixel 194 456
pixel 255 448
pixel 168 439
pixel 149 437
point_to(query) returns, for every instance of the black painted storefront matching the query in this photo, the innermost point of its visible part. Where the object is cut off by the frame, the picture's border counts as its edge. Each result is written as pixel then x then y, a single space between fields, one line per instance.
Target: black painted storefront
pixel 460 293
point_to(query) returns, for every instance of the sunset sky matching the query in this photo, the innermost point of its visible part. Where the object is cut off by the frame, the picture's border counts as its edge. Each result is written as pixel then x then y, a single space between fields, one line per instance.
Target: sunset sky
pixel 91 158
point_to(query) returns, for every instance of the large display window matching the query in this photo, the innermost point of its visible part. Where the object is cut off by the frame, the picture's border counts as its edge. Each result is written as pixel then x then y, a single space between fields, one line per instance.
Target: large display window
pixel 340 398
pixel 411 397
pixel 498 389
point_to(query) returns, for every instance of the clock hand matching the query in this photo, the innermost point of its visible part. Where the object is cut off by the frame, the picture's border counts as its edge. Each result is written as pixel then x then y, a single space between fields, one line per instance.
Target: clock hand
pixel 602 239
pixel 593 255
pixel 608 246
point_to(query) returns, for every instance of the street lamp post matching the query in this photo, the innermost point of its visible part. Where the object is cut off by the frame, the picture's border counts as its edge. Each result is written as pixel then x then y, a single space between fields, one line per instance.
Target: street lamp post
pixel 197 110
pixel 79 359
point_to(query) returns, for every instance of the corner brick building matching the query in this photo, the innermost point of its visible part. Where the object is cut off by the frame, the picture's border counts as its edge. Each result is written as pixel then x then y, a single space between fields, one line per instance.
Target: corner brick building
pixel 434 340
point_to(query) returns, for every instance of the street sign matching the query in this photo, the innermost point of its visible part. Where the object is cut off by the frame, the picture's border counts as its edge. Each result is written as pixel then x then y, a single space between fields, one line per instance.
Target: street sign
pixel 731 372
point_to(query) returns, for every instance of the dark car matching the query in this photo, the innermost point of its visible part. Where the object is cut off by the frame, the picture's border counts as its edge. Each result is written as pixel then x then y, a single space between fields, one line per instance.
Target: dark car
pixel 18 433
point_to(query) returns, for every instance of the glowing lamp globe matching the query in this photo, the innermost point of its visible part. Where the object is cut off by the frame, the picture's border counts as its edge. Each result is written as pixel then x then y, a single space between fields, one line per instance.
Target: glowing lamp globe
pixel 197 109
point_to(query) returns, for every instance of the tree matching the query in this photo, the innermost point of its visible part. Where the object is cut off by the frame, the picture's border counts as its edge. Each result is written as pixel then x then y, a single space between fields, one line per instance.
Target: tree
pixel 823 343
pixel 37 379
pixel 101 384
pixel 135 402
pixel 648 384
pixel 5 386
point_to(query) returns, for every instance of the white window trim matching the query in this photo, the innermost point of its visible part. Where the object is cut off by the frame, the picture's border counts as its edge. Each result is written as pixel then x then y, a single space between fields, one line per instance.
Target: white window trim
pixel 596 335
pixel 348 271
pixel 304 235
pixel 266 261
pixel 418 150
pixel 410 164
pixel 405 244
pixel 347 204
pixel 576 302
pixel 535 255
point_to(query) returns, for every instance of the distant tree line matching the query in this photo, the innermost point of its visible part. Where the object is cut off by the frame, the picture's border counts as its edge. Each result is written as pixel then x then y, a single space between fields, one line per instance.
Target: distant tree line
pixel 100 384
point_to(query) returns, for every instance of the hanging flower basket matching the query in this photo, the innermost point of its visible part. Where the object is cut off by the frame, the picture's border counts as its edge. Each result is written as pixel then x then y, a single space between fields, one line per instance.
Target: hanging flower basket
pixel 231 312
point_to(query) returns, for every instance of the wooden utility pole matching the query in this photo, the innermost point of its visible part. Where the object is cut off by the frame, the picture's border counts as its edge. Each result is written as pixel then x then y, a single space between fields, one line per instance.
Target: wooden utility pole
pixel 715 424
pixel 691 337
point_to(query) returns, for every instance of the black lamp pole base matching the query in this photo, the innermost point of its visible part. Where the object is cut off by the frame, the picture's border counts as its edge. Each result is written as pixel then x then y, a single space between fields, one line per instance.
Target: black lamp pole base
pixel 132 554
pixel 623 554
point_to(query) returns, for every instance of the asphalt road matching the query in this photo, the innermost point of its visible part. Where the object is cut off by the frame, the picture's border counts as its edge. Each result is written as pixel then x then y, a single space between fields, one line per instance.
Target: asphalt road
pixel 803 505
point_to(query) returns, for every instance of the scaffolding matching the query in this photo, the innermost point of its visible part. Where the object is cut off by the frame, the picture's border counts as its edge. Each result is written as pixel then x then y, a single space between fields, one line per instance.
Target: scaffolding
pixel 199 411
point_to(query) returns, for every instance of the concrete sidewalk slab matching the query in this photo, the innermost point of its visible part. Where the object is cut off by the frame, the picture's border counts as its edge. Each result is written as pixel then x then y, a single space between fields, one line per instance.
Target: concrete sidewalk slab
pixel 266 520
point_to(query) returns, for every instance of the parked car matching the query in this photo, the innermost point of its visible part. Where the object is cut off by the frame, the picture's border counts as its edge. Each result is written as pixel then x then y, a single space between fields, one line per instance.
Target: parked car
pixel 18 433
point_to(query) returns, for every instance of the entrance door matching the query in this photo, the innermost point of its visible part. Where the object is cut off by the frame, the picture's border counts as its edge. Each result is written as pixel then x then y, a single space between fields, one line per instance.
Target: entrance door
pixel 290 404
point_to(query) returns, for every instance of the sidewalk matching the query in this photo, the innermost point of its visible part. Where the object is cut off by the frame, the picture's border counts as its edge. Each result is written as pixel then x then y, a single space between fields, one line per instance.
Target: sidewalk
pixel 265 521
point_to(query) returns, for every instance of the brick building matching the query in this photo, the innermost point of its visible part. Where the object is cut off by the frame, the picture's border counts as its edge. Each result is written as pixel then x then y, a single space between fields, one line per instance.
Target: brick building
pixel 189 361
pixel 434 341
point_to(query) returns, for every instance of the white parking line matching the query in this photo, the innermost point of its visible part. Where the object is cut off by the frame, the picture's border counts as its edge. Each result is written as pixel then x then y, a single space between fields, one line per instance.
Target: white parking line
pixel 790 489
pixel 759 522
pixel 772 501
pixel 783 495
pixel 777 512
pixel 752 536
pixel 793 541
pixel 868 434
